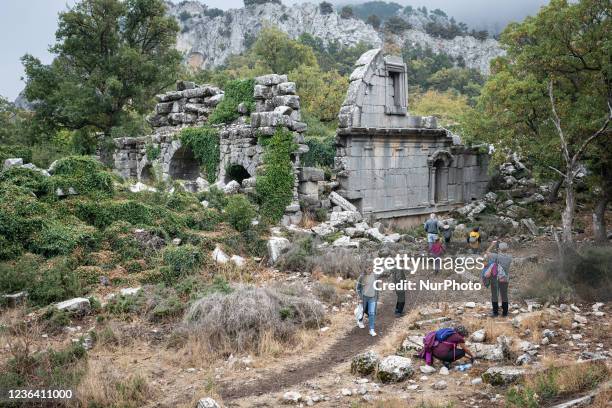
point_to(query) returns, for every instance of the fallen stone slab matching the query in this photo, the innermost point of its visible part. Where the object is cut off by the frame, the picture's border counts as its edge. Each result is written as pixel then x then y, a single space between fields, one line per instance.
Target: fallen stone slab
pixel 503 375
pixel 219 256
pixel 15 299
pixel 76 305
pixel 208 403
pixel 578 402
pixel 341 201
pixel 276 245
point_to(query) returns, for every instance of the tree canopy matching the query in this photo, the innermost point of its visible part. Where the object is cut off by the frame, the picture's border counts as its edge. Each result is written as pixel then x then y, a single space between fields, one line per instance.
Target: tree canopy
pixel 112 57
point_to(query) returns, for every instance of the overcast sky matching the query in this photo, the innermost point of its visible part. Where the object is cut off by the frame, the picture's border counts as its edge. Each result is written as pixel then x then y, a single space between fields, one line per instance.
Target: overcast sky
pixel 28 26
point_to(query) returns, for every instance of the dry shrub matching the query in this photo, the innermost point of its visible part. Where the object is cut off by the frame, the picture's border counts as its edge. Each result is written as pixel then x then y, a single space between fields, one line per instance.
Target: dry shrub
pixel 105 386
pixel 602 400
pixel 342 262
pixel 337 282
pixel 249 317
pixel 326 292
pixel 558 381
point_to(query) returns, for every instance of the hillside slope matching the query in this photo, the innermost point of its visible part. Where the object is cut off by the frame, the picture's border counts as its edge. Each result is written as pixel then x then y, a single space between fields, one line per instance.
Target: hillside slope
pixel 209 36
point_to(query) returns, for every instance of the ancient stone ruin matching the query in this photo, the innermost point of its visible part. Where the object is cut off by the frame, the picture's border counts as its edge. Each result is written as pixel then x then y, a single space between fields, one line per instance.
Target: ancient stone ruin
pixel 389 164
pixel 392 165
pixel 277 105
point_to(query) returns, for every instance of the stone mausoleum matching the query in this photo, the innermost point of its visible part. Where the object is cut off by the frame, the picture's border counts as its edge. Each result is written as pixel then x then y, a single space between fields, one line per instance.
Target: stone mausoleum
pixel 392 165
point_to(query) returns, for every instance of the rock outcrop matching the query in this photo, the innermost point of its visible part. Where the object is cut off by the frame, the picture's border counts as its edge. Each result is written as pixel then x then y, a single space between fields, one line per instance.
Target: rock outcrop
pixel 209 37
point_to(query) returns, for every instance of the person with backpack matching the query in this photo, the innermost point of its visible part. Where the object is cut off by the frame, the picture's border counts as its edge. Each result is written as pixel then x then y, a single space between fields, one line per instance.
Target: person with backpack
pixel 431 228
pixel 447 233
pixel 473 240
pixel 369 297
pixel 497 275
pixel 437 249
pixel 447 345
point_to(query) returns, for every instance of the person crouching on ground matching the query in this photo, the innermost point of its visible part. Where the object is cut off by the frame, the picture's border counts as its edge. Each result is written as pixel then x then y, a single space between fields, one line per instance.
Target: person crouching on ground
pixel 453 347
pixel 500 276
pixel 369 297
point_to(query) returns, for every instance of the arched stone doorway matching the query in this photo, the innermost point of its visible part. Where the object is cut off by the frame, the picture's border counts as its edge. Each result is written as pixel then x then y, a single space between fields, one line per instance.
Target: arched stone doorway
pixel 184 165
pixel 236 172
pixel 439 163
pixel 147 175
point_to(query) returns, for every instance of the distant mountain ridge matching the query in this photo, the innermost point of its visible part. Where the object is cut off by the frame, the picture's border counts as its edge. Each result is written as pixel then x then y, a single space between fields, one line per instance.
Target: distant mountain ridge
pixel 209 36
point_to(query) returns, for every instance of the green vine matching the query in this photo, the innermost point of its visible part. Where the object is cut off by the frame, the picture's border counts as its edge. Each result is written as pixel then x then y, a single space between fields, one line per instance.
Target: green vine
pixel 274 185
pixel 204 142
pixel 236 92
pixel 152 152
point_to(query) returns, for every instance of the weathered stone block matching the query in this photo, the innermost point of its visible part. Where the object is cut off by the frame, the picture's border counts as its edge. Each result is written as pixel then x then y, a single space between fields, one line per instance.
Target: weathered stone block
pixel 271 79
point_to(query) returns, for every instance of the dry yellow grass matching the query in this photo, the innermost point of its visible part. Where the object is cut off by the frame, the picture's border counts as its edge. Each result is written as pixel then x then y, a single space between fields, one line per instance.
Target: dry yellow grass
pixel 105 385
pixel 493 327
pixel 338 282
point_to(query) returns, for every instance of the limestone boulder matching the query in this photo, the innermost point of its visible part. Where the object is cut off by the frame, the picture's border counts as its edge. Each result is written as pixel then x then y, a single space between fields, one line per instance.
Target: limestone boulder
pixel 79 306
pixel 276 245
pixel 219 256
pixel 394 369
pixel 324 229
pixel 232 187
pixel 8 163
pixel 365 363
pixel 207 403
pixel 503 375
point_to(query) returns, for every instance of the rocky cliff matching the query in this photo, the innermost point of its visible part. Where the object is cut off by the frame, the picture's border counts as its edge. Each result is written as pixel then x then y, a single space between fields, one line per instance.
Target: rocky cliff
pixel 208 36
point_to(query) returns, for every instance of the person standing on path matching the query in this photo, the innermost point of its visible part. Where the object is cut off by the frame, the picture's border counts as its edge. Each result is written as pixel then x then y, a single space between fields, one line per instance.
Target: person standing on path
pixel 399 275
pixel 474 239
pixel 431 228
pixel 369 295
pixel 499 280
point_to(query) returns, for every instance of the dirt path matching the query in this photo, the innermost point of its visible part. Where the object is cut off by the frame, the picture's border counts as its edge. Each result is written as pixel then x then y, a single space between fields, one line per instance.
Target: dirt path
pixel 354 342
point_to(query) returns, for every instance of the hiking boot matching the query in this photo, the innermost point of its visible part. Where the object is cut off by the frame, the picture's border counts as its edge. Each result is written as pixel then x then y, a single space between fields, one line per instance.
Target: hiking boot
pixel 495 311
pixel 360 325
pixel 505 309
pixel 372 333
pixel 446 364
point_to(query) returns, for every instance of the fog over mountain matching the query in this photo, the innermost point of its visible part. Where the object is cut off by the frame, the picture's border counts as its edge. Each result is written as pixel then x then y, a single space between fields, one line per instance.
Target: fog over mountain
pixel 28 26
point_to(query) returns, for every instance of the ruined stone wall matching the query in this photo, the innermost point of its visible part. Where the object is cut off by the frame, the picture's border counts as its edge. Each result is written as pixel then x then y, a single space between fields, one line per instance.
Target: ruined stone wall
pixel 392 165
pixel 277 105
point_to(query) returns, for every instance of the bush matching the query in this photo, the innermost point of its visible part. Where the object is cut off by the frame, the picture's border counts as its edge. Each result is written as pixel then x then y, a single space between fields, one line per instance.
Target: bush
pixel 299 256
pixel 57 237
pixel 585 273
pixel 236 92
pixel 326 7
pixel 274 186
pixel 204 220
pixel 239 212
pixel 396 25
pixel 204 142
pixel 15 151
pixel 321 152
pixel 347 12
pixel 55 283
pixel 547 386
pixel 84 173
pixel 19 275
pixel 216 198
pixel 180 261
pixel 243 319
pixel 61 369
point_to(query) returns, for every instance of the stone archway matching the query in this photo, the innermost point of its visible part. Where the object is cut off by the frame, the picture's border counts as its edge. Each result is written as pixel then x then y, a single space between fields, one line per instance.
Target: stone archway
pixel 236 172
pixel 147 175
pixel 183 165
pixel 439 163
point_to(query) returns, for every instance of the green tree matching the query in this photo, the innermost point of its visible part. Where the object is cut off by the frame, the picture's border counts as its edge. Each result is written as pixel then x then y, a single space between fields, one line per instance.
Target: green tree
pixel 553 90
pixel 347 12
pixel 113 56
pixel 374 21
pixel 280 53
pixel 321 93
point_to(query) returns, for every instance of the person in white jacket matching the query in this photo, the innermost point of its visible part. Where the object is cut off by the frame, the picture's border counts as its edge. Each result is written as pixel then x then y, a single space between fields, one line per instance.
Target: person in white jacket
pixel 369 298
